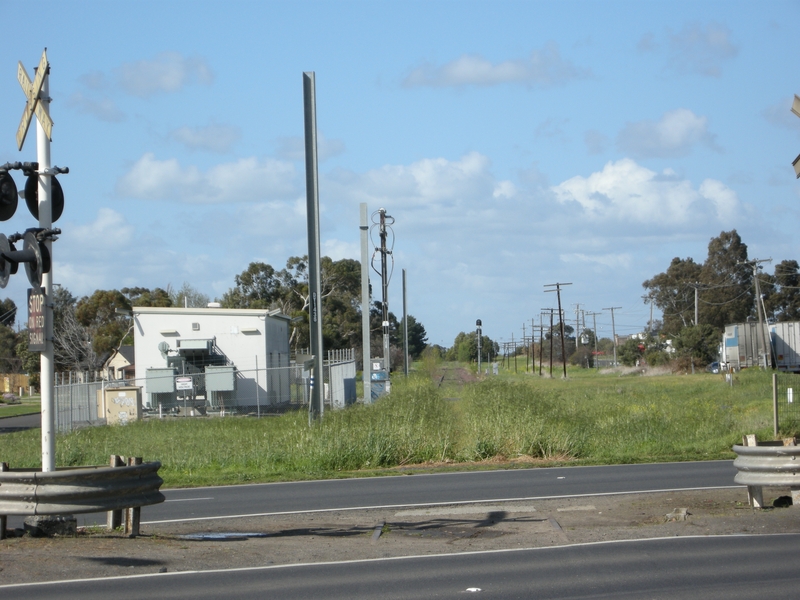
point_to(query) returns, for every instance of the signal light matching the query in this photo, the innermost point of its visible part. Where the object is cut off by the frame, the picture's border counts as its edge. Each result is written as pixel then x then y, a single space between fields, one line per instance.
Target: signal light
pixel 32 197
pixel 8 196
pixel 34 254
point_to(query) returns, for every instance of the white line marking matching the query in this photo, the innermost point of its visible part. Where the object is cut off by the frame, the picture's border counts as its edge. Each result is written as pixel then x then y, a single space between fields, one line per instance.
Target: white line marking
pixel 387 559
pixel 186 499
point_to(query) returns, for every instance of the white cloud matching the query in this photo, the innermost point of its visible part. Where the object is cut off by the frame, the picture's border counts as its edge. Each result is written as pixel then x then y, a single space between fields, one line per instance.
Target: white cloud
pixel 625 191
pixel 431 183
pixel 294 148
pixel 168 72
pixel 504 189
pixel 543 68
pixel 622 261
pixel 104 108
pixel 213 137
pixel 246 180
pixel 674 135
pixel 701 49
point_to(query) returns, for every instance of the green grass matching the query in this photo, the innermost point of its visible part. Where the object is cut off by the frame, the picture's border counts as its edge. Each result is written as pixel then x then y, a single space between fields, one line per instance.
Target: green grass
pixel 589 418
pixel 27 407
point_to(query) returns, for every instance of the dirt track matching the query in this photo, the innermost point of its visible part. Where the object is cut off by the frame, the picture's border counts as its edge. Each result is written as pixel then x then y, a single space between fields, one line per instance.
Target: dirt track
pixel 349 535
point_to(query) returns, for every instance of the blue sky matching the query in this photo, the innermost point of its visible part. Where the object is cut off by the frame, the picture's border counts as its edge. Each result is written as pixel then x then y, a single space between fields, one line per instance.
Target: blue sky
pixel 516 144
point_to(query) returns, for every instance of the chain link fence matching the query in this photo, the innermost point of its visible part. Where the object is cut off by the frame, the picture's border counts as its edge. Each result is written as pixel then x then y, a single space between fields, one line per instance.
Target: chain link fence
pixel 258 392
pixel 786 402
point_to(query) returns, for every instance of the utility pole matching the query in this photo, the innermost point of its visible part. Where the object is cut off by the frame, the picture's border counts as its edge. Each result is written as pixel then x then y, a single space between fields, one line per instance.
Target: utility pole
pixel 541 341
pixel 594 325
pixel 614 330
pixel 755 264
pixel 524 342
pixel 561 319
pixel 385 251
pixel 577 326
pixel 478 324
pixel 551 340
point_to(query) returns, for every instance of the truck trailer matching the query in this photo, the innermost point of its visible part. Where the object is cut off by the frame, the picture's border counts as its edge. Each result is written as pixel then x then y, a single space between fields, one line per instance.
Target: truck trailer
pixel 774 345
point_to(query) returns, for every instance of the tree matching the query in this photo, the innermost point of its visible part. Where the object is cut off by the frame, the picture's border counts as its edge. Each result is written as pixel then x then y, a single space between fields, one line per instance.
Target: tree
pixel 631 352
pixel 782 291
pixel 139 296
pixel 107 328
pixel 724 287
pixel 8 312
pixel 256 287
pixel 417 338
pixel 9 361
pixel 700 343
pixel 465 347
pixel 188 296
pixel 727 295
pixel 261 286
pixel 673 293
pixel 30 360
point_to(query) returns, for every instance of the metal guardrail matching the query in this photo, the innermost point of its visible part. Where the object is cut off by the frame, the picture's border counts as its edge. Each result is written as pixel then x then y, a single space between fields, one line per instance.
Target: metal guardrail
pixel 767 465
pixel 79 489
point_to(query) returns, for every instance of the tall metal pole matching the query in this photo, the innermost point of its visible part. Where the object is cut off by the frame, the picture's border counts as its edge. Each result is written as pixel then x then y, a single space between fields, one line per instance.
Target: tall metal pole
pixel 385 289
pixel 47 372
pixel 315 405
pixel 365 304
pixel 405 328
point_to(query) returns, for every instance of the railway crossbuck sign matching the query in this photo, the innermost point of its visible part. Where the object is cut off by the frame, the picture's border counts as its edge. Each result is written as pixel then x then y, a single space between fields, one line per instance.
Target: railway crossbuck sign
pixel 32 91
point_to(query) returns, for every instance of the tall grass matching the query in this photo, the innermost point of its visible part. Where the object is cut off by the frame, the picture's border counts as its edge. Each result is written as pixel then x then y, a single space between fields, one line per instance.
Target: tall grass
pixel 583 420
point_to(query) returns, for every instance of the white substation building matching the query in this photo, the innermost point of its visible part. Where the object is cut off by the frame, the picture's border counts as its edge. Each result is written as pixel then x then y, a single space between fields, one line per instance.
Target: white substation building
pixel 212 359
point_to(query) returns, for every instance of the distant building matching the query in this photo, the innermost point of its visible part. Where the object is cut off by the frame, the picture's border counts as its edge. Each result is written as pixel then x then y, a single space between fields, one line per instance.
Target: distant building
pixel 121 364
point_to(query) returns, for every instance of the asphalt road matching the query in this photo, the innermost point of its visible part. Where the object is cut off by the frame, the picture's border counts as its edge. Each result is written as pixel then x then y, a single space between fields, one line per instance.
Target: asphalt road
pixel 709 568
pixel 20 423
pixel 441 488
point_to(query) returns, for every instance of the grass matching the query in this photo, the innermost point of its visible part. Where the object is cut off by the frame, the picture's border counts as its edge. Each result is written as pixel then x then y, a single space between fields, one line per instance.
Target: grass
pixel 26 407
pixel 589 418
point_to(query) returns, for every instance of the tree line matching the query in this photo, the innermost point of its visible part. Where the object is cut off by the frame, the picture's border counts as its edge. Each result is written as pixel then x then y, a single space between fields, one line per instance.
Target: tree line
pixel 89 329
pixel 698 300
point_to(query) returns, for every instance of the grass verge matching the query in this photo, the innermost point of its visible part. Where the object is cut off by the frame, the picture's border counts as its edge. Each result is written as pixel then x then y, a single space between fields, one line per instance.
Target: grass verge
pixel 525 419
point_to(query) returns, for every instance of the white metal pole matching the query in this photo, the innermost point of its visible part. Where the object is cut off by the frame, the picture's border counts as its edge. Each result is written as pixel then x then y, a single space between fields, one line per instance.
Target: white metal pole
pixel 45 221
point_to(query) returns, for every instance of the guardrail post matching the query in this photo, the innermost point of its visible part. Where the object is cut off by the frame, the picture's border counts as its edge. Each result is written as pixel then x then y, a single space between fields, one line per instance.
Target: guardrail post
pixel 3 518
pixel 133 515
pixel 114 519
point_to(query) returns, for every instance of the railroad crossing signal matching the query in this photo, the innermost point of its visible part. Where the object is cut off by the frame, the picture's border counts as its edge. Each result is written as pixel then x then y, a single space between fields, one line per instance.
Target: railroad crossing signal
pixel 32 105
pixel 796 110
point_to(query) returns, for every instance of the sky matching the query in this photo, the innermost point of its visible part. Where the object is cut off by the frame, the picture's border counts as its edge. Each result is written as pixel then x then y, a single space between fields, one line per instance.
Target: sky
pixel 516 145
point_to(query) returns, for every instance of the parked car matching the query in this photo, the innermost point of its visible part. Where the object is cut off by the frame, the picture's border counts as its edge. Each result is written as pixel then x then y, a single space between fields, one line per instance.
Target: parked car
pixel 713 367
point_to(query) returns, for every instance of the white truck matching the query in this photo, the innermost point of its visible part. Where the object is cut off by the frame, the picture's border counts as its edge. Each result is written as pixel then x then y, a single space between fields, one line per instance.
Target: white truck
pixel 773 345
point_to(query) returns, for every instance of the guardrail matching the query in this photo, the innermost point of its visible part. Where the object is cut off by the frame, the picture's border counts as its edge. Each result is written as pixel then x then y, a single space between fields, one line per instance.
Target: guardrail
pixel 767 464
pixel 81 490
